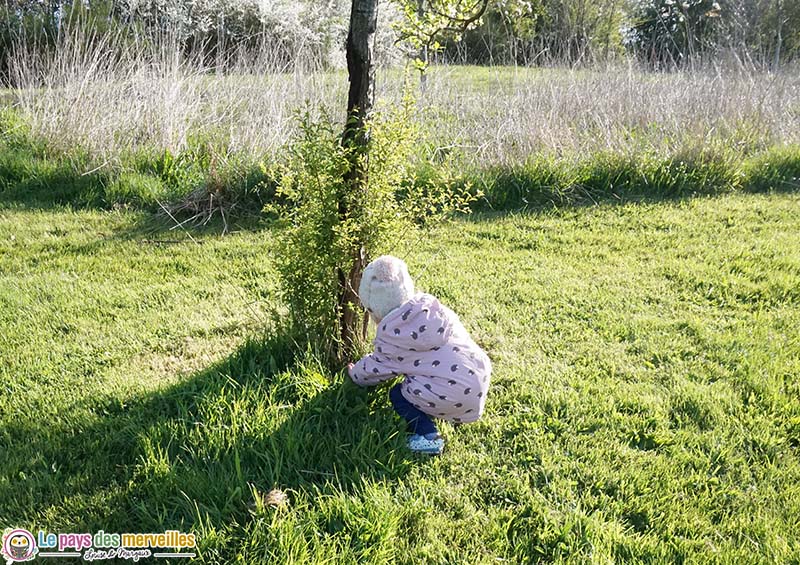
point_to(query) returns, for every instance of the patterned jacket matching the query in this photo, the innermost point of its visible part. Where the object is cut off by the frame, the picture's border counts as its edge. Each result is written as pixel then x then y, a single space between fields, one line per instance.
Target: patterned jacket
pixel 446 373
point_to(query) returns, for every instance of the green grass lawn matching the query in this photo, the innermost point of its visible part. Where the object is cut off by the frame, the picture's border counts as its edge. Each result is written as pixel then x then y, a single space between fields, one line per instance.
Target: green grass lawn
pixel 645 405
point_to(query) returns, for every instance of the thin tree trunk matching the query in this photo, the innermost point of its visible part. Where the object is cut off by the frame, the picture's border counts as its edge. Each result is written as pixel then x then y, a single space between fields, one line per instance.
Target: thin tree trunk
pixel 360 41
pixel 776 64
pixel 423 53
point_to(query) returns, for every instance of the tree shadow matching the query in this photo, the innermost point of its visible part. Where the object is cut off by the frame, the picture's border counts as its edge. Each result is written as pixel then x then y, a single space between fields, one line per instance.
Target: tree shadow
pixel 610 179
pixel 32 180
pixel 30 183
pixel 29 180
pixel 197 451
pixel 160 230
pixel 485 213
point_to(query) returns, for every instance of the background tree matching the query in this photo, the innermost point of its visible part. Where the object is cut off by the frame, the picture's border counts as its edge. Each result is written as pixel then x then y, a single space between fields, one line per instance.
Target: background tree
pixel 221 34
pixel 427 23
pixel 672 32
pixel 766 30
pixel 530 32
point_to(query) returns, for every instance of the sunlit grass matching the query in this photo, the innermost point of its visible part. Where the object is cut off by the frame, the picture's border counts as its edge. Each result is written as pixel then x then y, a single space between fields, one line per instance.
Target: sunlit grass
pixel 644 404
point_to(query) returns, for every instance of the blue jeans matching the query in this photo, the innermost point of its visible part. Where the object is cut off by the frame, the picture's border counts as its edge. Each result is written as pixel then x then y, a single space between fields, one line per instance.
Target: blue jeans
pixel 418 421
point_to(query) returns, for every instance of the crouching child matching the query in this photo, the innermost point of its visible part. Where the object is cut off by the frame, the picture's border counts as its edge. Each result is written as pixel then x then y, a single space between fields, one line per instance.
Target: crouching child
pixel 445 373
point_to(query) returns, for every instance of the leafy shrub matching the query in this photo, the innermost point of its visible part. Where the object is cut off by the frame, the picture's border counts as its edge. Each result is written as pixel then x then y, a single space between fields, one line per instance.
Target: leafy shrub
pixel 329 219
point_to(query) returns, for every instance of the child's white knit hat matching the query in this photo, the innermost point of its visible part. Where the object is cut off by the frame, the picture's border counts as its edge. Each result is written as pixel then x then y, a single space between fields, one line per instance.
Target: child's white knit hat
pixel 385 285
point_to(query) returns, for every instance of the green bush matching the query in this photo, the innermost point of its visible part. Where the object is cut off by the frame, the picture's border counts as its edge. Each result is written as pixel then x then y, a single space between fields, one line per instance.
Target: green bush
pixel 329 220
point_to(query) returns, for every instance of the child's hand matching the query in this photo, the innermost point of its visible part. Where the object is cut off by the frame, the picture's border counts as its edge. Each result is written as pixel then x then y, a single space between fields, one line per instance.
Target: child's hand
pixel 350 369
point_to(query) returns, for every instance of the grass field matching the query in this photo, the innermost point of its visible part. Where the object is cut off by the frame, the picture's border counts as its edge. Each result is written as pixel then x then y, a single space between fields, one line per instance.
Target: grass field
pixel 644 406
pixel 632 269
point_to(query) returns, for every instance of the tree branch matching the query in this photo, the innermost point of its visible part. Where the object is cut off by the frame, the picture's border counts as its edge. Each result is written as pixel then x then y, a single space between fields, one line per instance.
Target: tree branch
pixel 467 21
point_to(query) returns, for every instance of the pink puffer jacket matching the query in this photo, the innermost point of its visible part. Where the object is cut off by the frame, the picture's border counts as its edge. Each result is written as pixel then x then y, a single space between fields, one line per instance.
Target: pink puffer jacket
pixel 446 373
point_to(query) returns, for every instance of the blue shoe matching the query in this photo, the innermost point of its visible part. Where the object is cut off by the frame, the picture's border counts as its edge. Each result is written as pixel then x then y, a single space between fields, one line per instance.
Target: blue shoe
pixel 431 444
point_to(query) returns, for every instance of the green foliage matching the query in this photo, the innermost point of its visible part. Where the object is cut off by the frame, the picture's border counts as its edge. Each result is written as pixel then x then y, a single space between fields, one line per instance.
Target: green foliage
pixel 31 172
pixel 427 23
pixel 661 33
pixel 673 32
pixel 309 185
pixel 328 217
pixel 28 174
pixel 186 169
pixel 532 32
pixel 777 169
pixel 666 32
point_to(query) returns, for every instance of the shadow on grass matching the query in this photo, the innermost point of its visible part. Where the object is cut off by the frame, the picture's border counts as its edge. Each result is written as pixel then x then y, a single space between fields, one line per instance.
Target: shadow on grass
pixel 193 454
pixel 30 182
pixel 29 179
pixel 544 183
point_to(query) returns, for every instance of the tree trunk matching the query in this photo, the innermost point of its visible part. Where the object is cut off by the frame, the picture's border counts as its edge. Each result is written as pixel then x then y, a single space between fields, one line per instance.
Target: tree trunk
pixel 360 40
pixel 423 52
pixel 776 63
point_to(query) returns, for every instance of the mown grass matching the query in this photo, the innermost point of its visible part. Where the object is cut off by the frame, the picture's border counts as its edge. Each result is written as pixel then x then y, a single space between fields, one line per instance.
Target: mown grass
pixel 644 406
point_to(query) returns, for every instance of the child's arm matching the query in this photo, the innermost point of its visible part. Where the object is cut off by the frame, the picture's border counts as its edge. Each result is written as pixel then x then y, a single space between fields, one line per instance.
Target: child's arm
pixel 370 370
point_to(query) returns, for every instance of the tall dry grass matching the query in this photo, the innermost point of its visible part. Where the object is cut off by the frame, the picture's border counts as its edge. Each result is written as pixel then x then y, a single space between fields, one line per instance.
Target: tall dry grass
pixel 90 95
pixel 503 115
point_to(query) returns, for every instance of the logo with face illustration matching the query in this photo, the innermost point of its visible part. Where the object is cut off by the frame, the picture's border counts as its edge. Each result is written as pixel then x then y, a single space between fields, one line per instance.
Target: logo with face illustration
pixel 18 545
